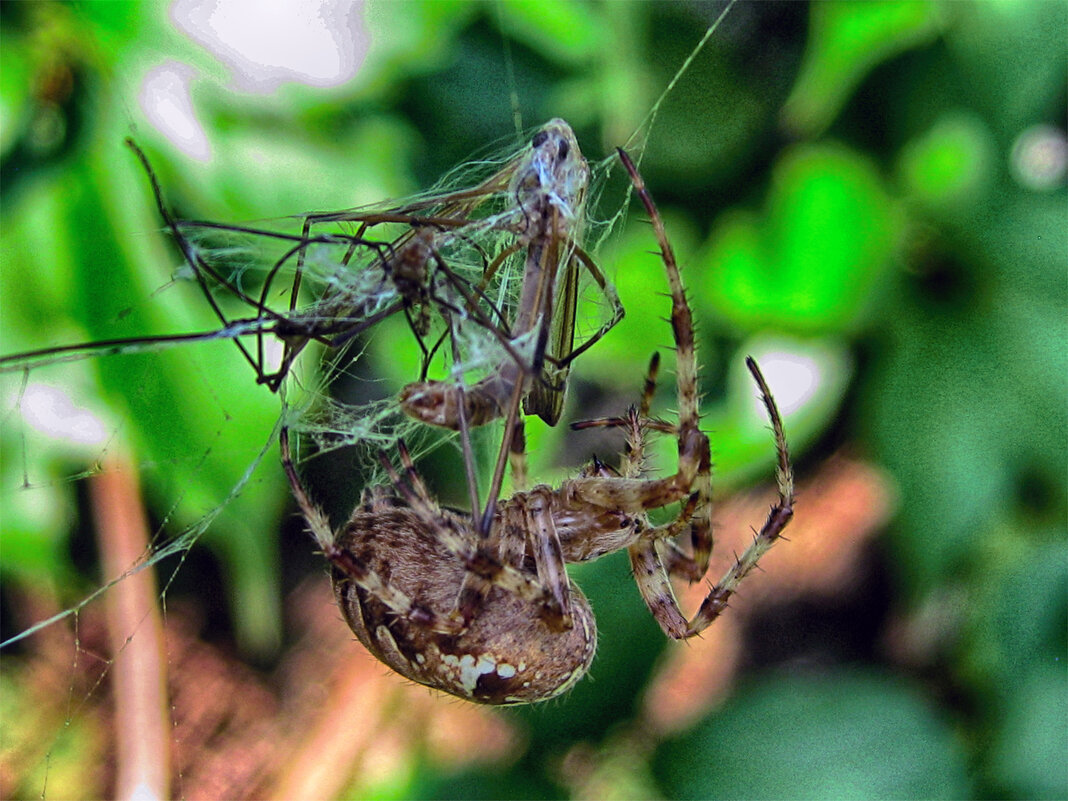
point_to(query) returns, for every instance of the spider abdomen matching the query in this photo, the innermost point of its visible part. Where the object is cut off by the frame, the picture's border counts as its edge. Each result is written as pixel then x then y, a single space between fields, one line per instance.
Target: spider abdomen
pixel 506 654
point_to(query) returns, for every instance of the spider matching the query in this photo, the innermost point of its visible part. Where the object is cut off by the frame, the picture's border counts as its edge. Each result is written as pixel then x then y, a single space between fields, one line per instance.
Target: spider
pixel 494 618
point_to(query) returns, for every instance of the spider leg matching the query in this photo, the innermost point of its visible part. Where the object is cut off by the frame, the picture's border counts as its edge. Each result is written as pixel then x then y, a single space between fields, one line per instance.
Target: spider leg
pixel 548 554
pixel 355 569
pixel 484 569
pixel 652 579
pixel 517 456
pixel 636 422
pixel 524 522
pixel 691 482
pixel 657 590
pixel 635 495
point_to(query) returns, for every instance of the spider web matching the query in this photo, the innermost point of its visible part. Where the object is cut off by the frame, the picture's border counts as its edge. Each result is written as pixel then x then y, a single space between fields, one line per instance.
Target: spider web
pixel 219 476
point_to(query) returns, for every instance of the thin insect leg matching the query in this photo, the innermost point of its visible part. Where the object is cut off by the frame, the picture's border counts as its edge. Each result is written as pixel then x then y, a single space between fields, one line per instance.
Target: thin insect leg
pixel 290 350
pixel 20 361
pixel 484 321
pixel 473 309
pixel 500 393
pixel 546 398
pixel 348 330
pixel 436 402
pixel 193 262
pixel 293 347
pixel 404 269
pixel 383 250
pixel 264 310
pixel 489 269
pixel 618 310
pixel 175 227
pixel 400 216
pixel 502 458
pixel 465 434
pixel 201 268
pixel 414 328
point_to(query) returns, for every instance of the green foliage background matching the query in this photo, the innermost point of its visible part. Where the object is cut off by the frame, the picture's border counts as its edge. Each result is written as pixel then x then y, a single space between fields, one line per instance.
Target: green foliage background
pixel 838 179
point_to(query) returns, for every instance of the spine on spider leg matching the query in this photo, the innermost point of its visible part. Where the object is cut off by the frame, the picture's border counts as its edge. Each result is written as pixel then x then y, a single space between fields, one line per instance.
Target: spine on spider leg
pixel 681 316
pixel 778 518
pixel 784 471
pixel 318 524
pixel 695 460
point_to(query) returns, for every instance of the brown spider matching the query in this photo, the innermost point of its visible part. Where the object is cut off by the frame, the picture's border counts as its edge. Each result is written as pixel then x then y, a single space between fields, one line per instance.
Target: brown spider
pixel 495 618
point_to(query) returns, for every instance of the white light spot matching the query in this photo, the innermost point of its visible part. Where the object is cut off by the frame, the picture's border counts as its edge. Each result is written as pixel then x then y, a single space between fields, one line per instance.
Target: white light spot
pixel 267 43
pixel 793 378
pixel 1039 158
pixel 166 101
pixel 273 350
pixel 51 411
pixel 143 791
pixel 505 671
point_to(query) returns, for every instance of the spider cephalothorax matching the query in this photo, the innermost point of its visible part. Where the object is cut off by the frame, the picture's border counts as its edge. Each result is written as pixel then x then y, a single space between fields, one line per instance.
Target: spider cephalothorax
pixel 484 609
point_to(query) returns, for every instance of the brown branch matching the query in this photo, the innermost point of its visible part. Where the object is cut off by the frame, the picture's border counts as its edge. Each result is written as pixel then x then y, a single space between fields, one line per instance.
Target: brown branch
pixel 139 669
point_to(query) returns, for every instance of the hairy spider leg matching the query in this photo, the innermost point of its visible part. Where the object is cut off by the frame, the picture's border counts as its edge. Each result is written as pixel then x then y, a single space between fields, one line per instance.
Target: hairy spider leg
pixel 348 563
pixel 413 490
pixel 778 518
pixel 649 570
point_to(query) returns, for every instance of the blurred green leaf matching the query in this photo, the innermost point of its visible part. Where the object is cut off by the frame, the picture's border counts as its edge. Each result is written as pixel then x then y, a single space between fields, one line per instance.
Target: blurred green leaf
pixel 966 398
pixel 1032 740
pixel 846 40
pixel 562 31
pixel 15 100
pixel 952 164
pixel 1015 59
pixel 811 261
pixel 844 735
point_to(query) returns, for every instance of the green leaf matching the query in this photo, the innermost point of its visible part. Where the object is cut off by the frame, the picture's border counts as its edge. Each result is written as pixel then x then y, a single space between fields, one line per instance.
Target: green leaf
pixel 562 31
pixel 841 735
pixel 846 40
pixel 812 259
pixel 1028 755
pixel 952 164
